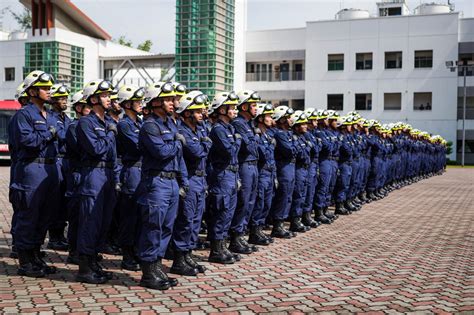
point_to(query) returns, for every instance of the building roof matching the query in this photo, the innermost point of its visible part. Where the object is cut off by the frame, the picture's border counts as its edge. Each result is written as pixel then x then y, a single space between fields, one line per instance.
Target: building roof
pixel 79 17
pixel 9 105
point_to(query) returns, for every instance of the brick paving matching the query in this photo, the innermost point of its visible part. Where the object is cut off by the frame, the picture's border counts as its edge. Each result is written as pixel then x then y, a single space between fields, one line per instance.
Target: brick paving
pixel 410 252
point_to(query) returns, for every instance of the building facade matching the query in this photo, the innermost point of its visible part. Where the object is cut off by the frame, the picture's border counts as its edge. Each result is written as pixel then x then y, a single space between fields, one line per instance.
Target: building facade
pixel 205 44
pixel 391 67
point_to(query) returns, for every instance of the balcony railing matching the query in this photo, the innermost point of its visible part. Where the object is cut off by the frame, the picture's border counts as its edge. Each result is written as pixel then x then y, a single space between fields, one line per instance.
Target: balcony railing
pixel 275 76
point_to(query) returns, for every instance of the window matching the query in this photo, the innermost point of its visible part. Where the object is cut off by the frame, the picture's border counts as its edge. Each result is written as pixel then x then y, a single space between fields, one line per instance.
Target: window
pixel 423 59
pixel 392 101
pixel 393 60
pixel 363 101
pixel 335 101
pixel 422 101
pixel 364 61
pixel 465 58
pixel 9 74
pixel 336 62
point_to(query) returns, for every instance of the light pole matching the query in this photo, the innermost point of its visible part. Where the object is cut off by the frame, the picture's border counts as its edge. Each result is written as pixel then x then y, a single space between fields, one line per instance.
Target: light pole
pixel 464 66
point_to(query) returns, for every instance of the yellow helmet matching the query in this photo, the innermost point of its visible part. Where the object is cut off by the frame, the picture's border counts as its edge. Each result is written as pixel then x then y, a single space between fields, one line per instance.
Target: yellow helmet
pixel 224 98
pixel 263 109
pixel 248 96
pixel 59 90
pixel 20 91
pixel 311 113
pixel 130 93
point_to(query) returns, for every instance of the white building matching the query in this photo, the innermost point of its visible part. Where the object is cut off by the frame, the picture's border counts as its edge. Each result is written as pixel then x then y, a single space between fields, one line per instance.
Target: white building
pixel 67 43
pixel 391 67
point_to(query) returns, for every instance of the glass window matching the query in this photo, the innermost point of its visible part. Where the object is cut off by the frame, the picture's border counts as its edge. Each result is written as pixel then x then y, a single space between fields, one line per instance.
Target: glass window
pixel 9 74
pixel 422 100
pixel 393 60
pixel 335 62
pixel 363 61
pixel 363 101
pixel 392 101
pixel 423 59
pixel 335 101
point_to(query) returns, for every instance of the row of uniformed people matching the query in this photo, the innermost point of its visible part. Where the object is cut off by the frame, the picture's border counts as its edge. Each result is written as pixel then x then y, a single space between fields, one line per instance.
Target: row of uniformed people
pixel 261 166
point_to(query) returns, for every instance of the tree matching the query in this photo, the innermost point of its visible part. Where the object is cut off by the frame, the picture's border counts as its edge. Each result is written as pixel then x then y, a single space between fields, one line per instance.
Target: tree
pixel 122 40
pixel 23 19
pixel 449 147
pixel 145 46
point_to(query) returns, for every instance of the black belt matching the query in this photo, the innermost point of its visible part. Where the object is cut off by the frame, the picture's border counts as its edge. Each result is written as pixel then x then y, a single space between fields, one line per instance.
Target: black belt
pixel 251 162
pixel 132 163
pixel 41 160
pixel 162 174
pixel 97 164
pixel 199 173
pixel 233 168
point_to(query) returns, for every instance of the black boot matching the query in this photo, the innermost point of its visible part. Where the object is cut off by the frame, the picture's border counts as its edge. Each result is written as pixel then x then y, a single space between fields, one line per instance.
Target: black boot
pixel 72 258
pixel 257 237
pixel 188 257
pixel 150 276
pixel 237 245
pixel 86 273
pixel 349 206
pixel 320 217
pixel 279 230
pixel 331 216
pixel 100 270
pixel 297 226
pixel 38 260
pixel 128 260
pixel 308 221
pixel 340 209
pixel 225 248
pixel 27 266
pixel 218 255
pixel 163 275
pixel 57 241
pixel 181 267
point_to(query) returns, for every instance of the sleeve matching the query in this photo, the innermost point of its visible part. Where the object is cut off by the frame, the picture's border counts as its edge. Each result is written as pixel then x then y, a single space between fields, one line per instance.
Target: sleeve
pixel 28 136
pixel 155 145
pixel 225 146
pixel 248 141
pixel 286 148
pixel 126 138
pixel 195 149
pixel 91 142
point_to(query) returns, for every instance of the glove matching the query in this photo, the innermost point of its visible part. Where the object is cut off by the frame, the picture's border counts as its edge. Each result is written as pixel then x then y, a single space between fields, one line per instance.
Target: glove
pixel 113 128
pixel 277 184
pixel 310 144
pixel 53 131
pixel 180 137
pixel 274 142
pixel 238 136
pixel 183 191
pixel 295 137
pixel 257 131
pixel 239 185
pixel 118 187
pixel 206 139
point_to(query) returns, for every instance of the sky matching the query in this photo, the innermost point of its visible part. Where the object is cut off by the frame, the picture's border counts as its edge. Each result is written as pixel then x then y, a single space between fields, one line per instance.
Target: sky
pixel 139 20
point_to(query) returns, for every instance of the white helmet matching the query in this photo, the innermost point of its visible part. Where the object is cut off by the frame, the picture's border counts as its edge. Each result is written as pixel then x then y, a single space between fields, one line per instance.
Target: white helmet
pixel 179 88
pixel 311 113
pixel 332 114
pixel 298 117
pixel 96 87
pixel 159 89
pixel 59 90
pixel 37 78
pixel 224 98
pixel 130 93
pixel 20 91
pixel 78 97
pixel 248 96
pixel 282 111
pixel 192 100
pixel 263 109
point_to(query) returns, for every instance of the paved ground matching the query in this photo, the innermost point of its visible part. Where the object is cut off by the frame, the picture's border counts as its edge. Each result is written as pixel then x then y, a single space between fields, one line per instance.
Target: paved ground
pixel 412 251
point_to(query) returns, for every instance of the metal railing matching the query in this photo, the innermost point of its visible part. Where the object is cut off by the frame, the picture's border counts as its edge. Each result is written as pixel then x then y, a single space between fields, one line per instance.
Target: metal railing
pixel 275 76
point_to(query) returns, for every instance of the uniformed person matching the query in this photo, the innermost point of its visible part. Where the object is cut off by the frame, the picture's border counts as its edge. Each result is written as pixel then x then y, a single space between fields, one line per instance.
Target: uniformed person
pixel 35 181
pixel 164 180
